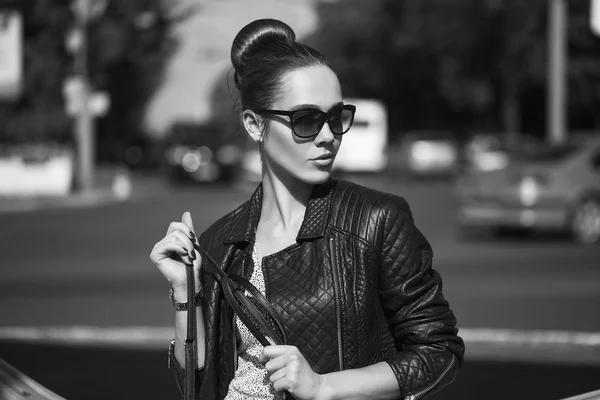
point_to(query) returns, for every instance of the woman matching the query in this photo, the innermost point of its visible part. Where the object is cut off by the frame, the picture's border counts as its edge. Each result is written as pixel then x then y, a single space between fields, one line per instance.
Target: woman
pixel 344 266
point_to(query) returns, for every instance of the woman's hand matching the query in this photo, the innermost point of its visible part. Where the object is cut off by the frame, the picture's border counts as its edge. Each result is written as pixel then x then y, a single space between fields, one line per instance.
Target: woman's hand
pixel 288 370
pixel 175 250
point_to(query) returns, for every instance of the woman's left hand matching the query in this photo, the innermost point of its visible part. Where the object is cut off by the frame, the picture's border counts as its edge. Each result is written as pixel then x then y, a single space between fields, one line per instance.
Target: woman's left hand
pixel 288 370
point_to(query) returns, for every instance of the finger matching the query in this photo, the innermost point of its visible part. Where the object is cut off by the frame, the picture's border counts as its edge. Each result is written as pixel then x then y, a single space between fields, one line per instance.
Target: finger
pixel 175 245
pixel 277 376
pixel 275 364
pixel 186 218
pixel 190 255
pixel 184 239
pixel 282 384
pixel 166 247
pixel 270 352
pixel 179 226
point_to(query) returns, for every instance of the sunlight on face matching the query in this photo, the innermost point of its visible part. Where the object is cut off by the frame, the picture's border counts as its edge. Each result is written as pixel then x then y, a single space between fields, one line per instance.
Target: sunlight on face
pixel 308 160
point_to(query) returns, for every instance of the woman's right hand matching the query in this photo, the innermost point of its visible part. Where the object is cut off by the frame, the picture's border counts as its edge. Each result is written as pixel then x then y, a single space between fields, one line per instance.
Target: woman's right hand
pixel 174 251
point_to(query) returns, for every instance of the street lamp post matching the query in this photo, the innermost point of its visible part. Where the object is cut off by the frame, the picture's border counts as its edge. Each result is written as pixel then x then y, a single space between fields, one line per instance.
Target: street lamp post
pixel 85 134
pixel 556 109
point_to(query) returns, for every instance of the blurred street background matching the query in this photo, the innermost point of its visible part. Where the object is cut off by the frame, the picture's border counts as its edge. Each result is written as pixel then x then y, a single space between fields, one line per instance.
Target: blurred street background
pixel 118 116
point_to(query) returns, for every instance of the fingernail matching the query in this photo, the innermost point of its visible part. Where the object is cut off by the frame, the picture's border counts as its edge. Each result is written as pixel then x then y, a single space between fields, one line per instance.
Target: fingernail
pixel 192 255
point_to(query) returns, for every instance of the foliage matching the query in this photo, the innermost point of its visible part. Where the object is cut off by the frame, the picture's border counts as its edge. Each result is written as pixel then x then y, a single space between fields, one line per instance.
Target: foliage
pixel 39 113
pixel 458 65
pixel 128 49
pixel 132 43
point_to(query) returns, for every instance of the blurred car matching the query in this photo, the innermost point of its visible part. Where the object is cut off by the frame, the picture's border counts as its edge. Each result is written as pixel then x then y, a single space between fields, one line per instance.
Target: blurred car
pixel 142 153
pixel 555 188
pixel 490 151
pixel 200 153
pixel 485 152
pixel 364 148
pixel 430 154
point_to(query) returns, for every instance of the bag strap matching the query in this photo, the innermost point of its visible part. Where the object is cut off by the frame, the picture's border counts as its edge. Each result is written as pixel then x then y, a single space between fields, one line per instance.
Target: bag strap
pixel 190 340
pixel 251 314
pixel 234 288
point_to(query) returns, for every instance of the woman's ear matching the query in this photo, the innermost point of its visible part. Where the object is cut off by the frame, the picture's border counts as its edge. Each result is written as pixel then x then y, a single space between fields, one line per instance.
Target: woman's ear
pixel 253 124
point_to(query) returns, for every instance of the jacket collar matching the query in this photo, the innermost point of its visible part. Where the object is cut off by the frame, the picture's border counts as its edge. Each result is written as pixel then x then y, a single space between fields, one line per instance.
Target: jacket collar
pixel 243 227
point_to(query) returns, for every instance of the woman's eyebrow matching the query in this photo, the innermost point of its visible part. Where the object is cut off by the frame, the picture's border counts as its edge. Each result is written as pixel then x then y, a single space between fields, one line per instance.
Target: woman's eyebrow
pixel 303 106
pixel 314 106
pixel 336 105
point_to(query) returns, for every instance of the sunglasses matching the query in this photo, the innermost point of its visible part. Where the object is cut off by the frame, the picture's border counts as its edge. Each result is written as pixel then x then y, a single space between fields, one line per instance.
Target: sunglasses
pixel 308 122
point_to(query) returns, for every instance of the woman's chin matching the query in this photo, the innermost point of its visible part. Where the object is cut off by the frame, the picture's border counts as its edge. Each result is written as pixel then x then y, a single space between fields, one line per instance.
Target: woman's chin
pixel 316 177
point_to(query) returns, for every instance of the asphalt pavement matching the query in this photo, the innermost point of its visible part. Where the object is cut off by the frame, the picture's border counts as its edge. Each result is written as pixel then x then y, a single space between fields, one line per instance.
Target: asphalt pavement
pixel 88 266
pixel 77 373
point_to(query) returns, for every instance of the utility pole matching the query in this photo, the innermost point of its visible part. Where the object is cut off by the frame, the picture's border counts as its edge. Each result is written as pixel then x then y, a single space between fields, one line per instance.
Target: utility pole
pixel 556 110
pixel 85 135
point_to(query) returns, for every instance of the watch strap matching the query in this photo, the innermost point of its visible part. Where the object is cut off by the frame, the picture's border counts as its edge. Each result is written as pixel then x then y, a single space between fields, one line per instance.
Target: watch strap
pixel 183 306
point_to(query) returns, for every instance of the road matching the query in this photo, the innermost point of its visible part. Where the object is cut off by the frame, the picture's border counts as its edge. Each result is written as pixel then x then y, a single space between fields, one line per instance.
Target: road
pixel 91 267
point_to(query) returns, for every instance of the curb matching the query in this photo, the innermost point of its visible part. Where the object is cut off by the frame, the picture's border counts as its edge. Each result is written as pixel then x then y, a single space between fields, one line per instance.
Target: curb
pixel 527 346
pixel 80 200
pixel 116 188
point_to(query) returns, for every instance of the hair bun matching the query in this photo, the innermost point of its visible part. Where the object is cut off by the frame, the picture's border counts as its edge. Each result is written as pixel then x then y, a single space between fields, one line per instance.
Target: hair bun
pixel 254 37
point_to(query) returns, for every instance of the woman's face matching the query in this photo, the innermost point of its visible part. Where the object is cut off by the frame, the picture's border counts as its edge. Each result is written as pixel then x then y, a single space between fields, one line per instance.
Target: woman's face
pixel 307 160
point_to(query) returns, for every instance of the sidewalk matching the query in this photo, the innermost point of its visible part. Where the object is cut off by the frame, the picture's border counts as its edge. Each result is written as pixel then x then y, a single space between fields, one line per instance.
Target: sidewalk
pixel 111 186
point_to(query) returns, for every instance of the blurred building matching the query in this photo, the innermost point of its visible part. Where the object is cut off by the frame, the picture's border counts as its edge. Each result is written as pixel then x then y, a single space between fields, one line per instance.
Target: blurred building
pixel 202 61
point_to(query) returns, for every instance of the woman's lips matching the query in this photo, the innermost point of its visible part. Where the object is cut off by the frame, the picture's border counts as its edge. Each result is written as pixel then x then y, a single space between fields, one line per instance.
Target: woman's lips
pixel 323 160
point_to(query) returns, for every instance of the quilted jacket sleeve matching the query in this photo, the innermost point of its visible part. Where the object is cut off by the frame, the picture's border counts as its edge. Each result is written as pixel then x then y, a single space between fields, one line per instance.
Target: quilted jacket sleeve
pixel 428 350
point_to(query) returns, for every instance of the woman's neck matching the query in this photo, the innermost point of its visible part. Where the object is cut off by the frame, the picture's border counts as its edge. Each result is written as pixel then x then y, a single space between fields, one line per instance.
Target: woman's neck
pixel 284 202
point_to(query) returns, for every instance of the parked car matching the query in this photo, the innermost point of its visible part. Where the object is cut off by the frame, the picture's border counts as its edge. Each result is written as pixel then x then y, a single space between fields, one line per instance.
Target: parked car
pixel 555 188
pixel 429 154
pixel 142 153
pixel 200 153
pixel 488 151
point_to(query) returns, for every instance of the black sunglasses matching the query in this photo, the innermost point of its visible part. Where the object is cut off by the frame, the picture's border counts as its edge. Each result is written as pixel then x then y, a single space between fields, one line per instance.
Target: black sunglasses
pixel 308 122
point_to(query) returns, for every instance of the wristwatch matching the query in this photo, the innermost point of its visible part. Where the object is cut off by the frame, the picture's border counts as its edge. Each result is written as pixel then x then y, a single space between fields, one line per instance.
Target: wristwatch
pixel 183 306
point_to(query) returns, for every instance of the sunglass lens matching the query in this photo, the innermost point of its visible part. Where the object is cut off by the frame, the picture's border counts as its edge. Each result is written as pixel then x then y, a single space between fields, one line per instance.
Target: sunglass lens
pixel 341 121
pixel 307 123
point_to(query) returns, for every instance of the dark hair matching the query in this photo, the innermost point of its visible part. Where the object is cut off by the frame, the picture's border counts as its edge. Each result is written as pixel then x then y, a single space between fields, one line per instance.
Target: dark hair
pixel 261 53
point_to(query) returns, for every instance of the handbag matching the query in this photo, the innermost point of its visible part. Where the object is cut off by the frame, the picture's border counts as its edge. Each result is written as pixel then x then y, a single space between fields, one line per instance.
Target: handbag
pixel 253 309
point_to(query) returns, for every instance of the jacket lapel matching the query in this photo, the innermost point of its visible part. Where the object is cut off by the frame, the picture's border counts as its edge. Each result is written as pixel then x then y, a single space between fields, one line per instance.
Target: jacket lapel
pixel 243 226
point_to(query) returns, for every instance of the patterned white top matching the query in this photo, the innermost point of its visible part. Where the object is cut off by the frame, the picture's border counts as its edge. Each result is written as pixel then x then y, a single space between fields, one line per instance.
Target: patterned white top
pixel 251 380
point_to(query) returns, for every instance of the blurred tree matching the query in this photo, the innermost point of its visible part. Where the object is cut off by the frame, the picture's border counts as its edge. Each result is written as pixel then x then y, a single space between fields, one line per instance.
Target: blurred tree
pixel 489 50
pixel 128 50
pixel 583 69
pixel 39 114
pixel 458 65
pixel 131 45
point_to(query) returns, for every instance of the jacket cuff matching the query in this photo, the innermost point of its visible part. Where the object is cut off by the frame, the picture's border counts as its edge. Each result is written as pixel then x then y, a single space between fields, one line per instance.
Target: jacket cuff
pixel 179 371
pixel 398 373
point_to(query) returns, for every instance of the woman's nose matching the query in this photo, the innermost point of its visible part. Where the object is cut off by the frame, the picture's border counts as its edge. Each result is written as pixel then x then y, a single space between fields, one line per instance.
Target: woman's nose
pixel 325 136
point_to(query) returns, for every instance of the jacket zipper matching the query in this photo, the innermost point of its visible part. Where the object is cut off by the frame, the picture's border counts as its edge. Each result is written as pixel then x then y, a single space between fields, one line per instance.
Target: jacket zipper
pixel 423 391
pixel 338 300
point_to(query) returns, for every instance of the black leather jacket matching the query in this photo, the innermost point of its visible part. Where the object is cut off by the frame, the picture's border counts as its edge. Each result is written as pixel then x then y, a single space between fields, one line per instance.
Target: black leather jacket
pixel 356 288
